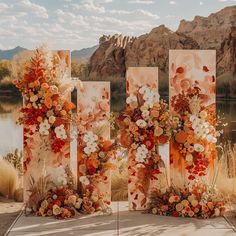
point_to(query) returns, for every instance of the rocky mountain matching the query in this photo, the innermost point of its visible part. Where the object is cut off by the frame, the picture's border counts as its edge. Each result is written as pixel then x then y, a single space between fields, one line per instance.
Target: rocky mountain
pixel 211 31
pixel 116 53
pixel 217 31
pixel 9 54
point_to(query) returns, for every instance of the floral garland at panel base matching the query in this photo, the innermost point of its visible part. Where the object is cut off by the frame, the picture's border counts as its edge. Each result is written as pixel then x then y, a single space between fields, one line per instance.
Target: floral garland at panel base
pixel 95 164
pixel 197 201
pixel 143 127
pixel 63 201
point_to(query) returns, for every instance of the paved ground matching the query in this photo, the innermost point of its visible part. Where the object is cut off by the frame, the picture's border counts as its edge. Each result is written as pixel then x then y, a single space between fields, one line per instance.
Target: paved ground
pixel 123 223
pixel 9 210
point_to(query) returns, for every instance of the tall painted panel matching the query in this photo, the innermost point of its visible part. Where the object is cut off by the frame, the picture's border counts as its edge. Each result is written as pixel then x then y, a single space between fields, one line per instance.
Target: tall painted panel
pixel 93 175
pixel 46 154
pixel 144 174
pixel 192 95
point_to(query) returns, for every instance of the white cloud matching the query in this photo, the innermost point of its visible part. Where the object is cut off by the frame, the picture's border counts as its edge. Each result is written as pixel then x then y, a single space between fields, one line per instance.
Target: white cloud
pixel 141 2
pixel 172 2
pixel 89 6
pixel 135 14
pixel 27 6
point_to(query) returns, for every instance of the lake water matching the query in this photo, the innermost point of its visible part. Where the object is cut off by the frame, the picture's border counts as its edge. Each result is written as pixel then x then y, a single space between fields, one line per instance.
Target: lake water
pixel 11 134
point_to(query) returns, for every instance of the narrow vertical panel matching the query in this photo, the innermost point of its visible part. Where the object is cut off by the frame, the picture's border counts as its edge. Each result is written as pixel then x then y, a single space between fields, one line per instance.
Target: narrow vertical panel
pixel 192 94
pixel 93 107
pixel 138 77
pixel 39 159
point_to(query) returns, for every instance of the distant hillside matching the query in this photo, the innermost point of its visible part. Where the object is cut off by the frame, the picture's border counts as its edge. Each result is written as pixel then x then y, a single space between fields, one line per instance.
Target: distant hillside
pixel 9 54
pixel 83 54
pixel 76 55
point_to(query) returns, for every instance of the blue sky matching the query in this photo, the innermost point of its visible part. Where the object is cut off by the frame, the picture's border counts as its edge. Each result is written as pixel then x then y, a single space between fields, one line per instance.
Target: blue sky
pixel 76 24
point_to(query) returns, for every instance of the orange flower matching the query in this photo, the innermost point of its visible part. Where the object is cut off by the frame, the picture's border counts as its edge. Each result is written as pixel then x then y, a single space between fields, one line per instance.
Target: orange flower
pixel 125 139
pixel 106 145
pixel 44 86
pixel 196 210
pixel 68 106
pixel 48 102
pixel 181 137
pixel 133 128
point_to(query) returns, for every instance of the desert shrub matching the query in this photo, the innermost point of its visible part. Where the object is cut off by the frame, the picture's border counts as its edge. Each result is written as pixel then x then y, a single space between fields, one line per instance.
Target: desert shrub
pixel 8 179
pixel 15 159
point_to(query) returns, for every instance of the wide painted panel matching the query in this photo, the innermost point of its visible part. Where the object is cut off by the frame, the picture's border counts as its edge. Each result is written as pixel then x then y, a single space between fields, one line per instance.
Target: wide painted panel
pixel 192 92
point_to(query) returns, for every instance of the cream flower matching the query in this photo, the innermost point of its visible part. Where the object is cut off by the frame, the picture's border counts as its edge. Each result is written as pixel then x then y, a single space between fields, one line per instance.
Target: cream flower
pixel 211 138
pixel 56 210
pixel 44 127
pixel 194 203
pixel 185 202
pixel 145 114
pixel 217 212
pixel 198 147
pixel 60 132
pixel 144 89
pixel 90 148
pixel 78 203
pixel 132 98
pixel 34 98
pixel 189 158
pixel 172 199
pixel 44 204
pixel 154 211
pixel 54 89
pixel 141 123
pixel 90 137
pixel 141 153
pixel 84 180
pixel 179 207
pixel 52 119
pixel 203 114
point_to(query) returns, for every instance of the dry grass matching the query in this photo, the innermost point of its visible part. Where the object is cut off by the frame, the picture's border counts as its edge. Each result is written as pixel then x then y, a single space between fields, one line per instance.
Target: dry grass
pixel 8 179
pixel 226 170
pixel 119 184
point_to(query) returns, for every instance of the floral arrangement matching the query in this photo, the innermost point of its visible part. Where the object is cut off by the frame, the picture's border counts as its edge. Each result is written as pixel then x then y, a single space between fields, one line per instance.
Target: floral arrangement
pixel 144 125
pixel 199 201
pixel 96 155
pixel 194 133
pixel 42 83
pixel 64 202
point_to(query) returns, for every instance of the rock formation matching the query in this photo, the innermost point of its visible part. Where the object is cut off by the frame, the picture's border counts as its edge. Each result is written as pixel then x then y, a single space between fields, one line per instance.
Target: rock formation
pixel 217 31
pixel 211 31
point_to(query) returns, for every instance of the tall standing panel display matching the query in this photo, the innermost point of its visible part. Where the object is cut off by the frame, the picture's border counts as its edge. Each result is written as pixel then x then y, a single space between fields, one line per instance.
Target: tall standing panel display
pixel 93 175
pixel 42 164
pixel 144 172
pixel 192 94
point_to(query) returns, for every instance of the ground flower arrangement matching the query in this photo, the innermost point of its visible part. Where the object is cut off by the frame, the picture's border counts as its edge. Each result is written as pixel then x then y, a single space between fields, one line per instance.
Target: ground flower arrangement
pixel 62 202
pixel 198 201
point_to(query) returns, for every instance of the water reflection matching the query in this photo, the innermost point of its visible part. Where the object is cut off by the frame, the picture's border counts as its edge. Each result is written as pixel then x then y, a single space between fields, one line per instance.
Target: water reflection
pixel 11 134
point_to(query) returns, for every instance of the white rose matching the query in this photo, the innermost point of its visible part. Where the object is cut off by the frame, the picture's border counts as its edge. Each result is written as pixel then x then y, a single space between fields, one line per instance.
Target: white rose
pixel 141 123
pixel 84 180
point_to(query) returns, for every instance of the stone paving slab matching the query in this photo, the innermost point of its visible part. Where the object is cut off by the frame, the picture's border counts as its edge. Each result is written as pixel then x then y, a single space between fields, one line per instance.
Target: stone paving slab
pixel 123 223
